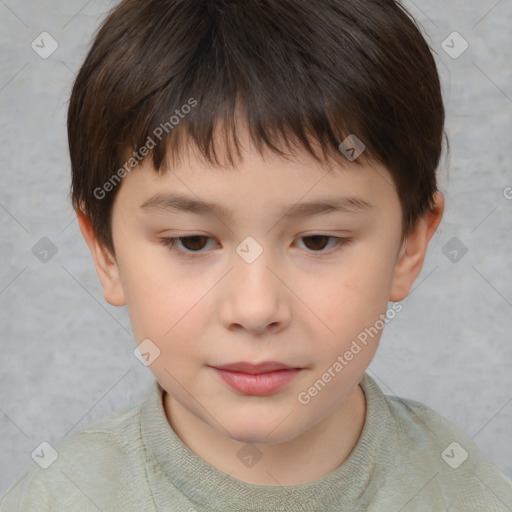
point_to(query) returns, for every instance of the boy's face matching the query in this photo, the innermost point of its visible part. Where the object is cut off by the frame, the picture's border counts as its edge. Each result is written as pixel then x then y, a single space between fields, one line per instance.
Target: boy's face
pixel 302 302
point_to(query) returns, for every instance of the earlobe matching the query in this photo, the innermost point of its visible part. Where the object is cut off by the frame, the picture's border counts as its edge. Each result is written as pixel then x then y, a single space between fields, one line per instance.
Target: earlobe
pixel 413 251
pixel 105 263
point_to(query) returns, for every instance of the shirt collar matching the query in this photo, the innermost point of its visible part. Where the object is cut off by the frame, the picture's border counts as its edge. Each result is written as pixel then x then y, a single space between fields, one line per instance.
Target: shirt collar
pixel 171 465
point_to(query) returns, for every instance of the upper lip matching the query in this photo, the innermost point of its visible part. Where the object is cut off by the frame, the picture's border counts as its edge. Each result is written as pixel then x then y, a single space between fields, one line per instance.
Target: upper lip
pixel 264 367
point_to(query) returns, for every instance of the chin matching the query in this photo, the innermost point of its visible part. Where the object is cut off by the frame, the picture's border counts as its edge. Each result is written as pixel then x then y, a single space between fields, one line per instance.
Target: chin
pixel 259 432
pixel 260 438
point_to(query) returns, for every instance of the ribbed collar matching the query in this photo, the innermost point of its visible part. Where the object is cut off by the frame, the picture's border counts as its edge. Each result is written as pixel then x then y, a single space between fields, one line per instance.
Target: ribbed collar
pixel 173 467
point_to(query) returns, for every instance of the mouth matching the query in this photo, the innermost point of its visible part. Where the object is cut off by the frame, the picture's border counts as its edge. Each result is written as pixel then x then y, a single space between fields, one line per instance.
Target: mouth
pixel 260 379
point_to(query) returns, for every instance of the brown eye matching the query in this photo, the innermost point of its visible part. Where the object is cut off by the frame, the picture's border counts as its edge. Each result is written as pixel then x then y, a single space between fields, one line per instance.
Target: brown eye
pixel 194 243
pixel 324 244
pixel 191 244
pixel 319 242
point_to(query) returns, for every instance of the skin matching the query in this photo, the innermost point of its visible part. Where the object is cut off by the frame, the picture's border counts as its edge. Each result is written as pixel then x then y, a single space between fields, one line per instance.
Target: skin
pixel 300 302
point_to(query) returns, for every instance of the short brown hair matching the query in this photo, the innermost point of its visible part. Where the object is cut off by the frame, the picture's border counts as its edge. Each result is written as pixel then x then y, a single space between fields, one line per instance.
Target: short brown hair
pixel 299 70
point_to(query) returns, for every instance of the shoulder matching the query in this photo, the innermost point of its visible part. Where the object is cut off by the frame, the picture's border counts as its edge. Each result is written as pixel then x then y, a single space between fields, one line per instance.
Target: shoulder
pixel 84 469
pixel 439 458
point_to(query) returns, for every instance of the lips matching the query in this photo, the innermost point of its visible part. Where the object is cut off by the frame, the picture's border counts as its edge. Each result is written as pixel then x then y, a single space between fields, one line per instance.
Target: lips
pixel 264 367
pixel 260 379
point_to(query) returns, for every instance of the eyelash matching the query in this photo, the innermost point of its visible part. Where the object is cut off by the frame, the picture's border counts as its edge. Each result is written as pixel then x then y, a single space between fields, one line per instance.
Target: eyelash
pixel 171 244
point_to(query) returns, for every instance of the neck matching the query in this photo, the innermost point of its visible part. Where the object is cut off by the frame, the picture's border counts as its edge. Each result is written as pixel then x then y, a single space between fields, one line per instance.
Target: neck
pixel 313 454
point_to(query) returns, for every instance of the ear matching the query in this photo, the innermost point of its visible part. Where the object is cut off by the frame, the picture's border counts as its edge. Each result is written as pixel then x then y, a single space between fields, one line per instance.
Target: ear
pixel 413 250
pixel 106 265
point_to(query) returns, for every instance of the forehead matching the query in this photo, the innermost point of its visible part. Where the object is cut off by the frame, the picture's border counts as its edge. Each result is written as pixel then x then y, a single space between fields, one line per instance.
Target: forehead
pixel 293 184
pixel 296 186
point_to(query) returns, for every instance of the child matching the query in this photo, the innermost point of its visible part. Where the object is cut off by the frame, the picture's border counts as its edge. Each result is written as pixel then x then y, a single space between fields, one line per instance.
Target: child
pixel 260 127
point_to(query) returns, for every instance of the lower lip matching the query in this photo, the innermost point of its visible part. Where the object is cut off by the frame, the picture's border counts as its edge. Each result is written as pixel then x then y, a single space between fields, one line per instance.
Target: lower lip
pixel 261 384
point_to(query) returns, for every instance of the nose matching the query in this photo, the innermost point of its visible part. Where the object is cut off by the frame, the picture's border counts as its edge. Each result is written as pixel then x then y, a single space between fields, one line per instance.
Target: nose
pixel 255 298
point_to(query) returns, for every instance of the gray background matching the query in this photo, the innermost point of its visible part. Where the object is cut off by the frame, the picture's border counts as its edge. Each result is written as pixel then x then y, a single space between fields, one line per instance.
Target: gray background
pixel 66 356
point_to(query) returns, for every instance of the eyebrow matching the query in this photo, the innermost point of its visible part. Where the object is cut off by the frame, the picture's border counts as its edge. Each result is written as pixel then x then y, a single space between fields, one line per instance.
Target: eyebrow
pixel 171 203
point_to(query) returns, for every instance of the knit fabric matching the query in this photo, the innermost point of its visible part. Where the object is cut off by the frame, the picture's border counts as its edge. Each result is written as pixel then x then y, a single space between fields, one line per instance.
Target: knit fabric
pixel 408 458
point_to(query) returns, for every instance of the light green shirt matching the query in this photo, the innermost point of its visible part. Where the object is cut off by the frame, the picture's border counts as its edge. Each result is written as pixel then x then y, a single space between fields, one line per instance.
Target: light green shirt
pixel 408 458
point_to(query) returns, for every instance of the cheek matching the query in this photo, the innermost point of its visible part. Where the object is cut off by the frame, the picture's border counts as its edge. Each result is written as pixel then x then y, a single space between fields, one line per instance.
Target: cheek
pixel 356 296
pixel 161 308
pixel 172 317
pixel 166 302
pixel 153 297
